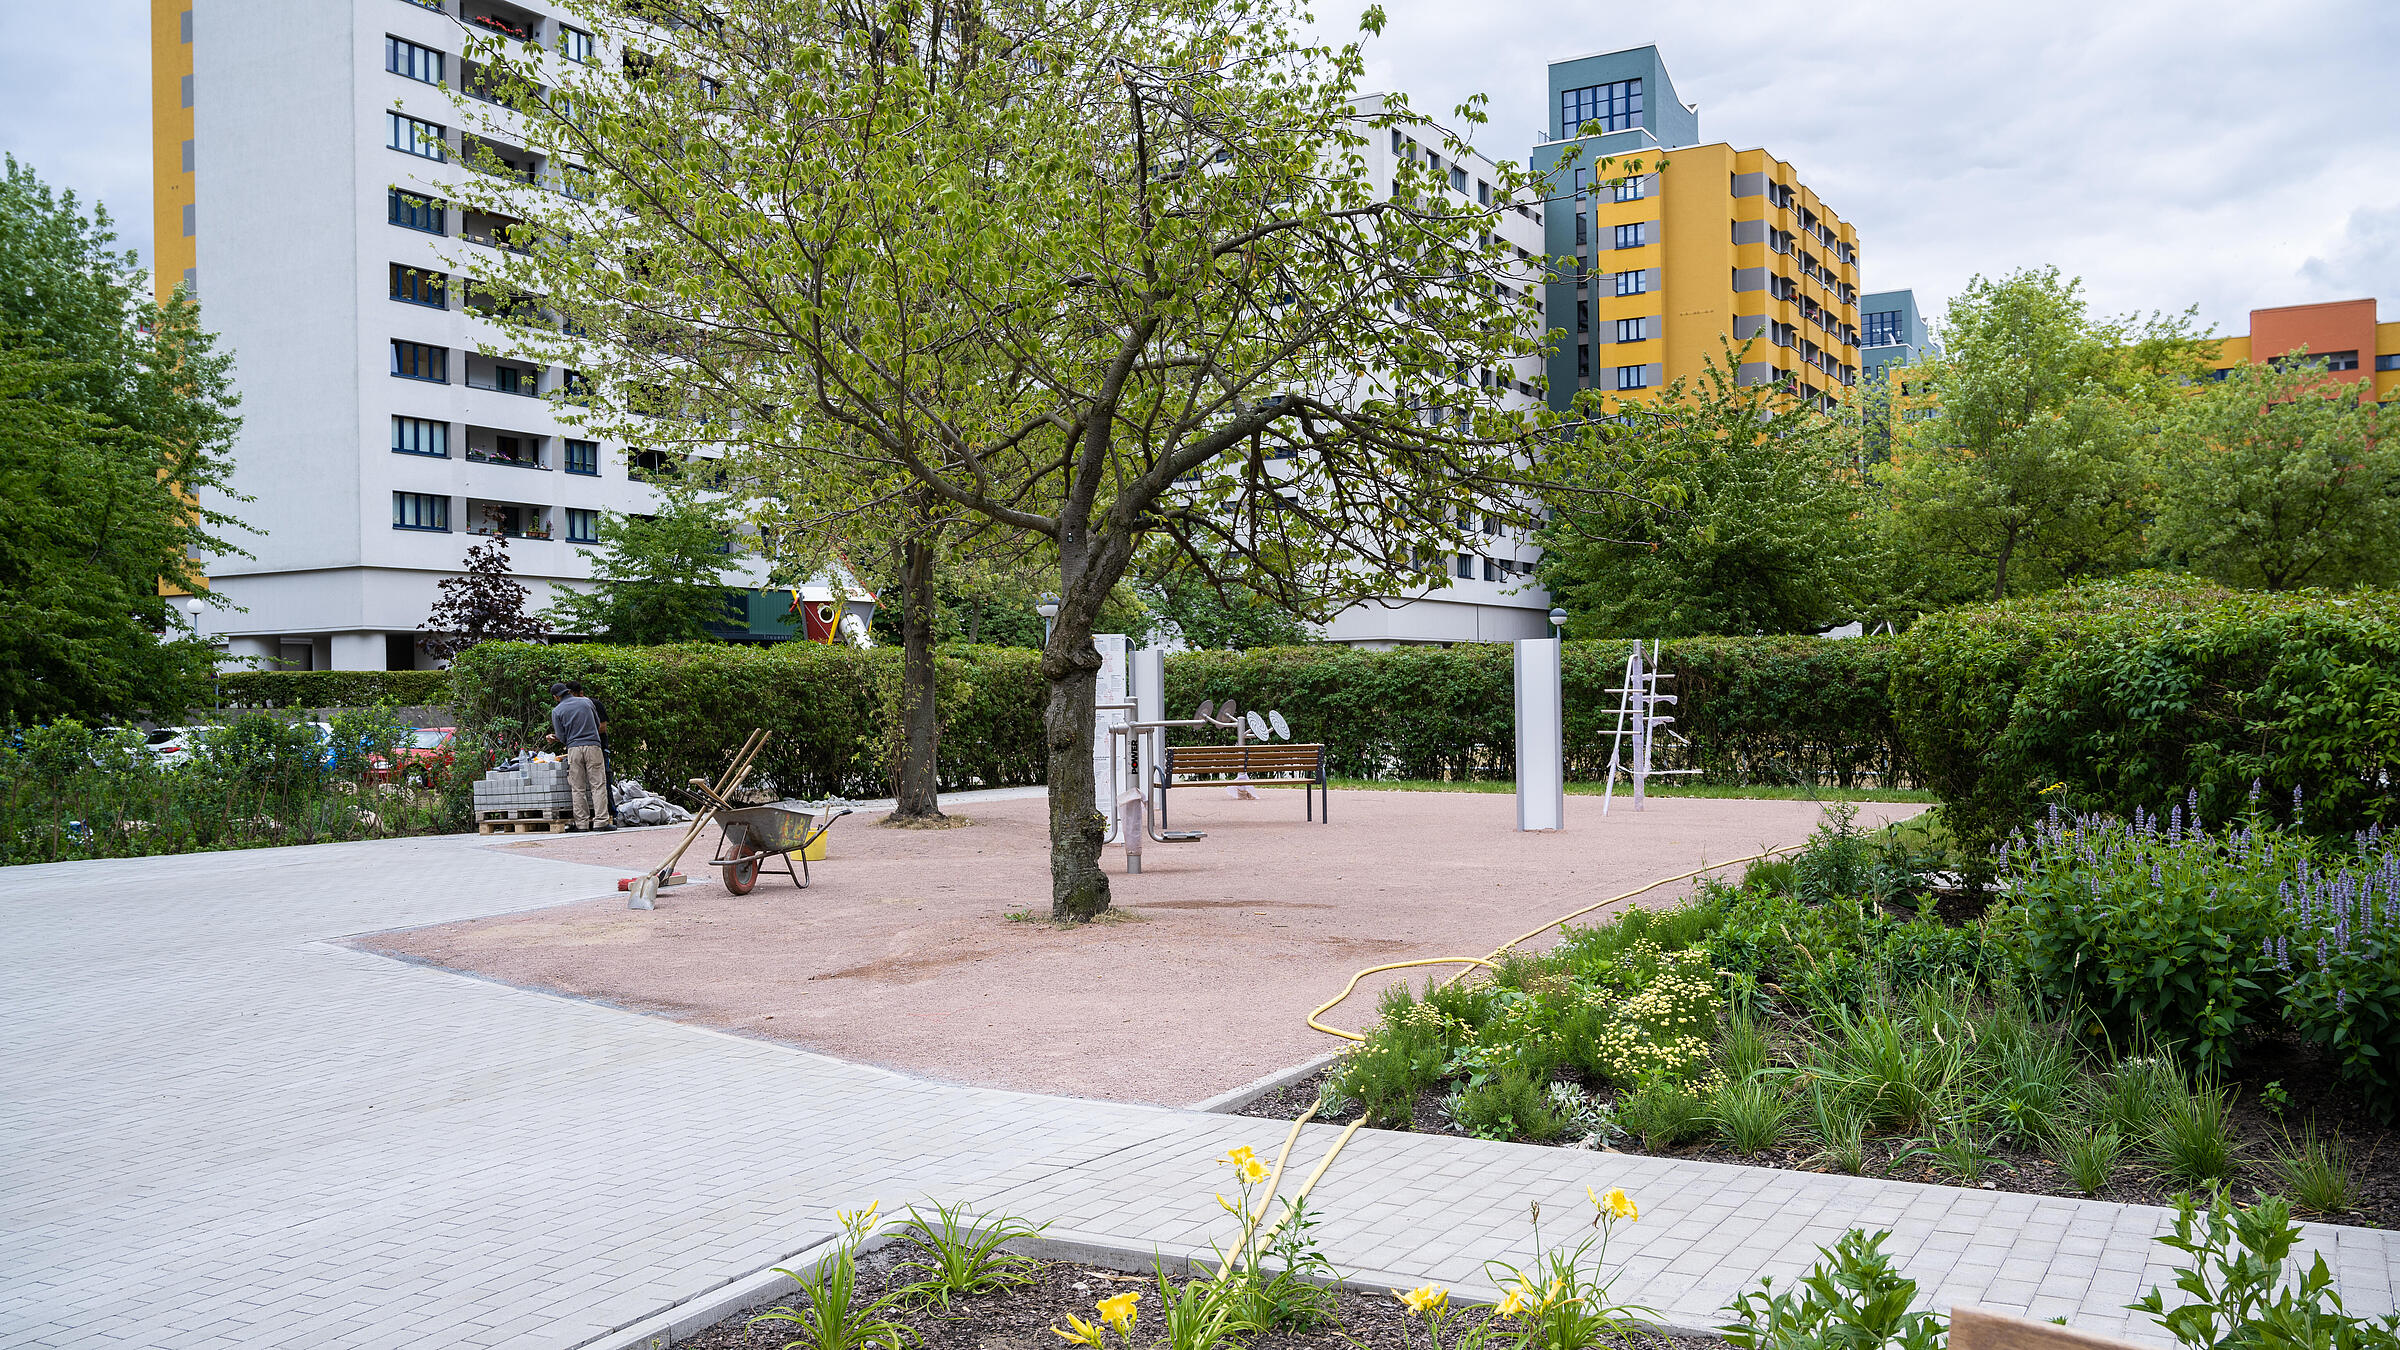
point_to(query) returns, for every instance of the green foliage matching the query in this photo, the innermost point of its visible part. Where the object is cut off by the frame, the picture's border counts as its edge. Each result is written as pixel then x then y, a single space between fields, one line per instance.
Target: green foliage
pixel 1758 710
pixel 2192 1139
pixel 661 576
pixel 256 781
pixel 1297 1293
pixel 2132 692
pixel 2274 478
pixel 2243 1289
pixel 1752 1114
pixel 1564 1298
pixel 958 1254
pixel 1663 1113
pixel 1510 1105
pixel 1753 521
pixel 2314 1171
pixel 116 421
pixel 1853 1298
pixel 329 689
pixel 831 1315
pixel 2089 1158
pixel 679 712
pixel 2032 472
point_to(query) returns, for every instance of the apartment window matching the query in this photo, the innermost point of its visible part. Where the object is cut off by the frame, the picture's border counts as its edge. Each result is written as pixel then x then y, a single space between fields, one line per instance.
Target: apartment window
pixel 1583 316
pixel 1483 192
pixel 417 286
pixel 2388 361
pixel 187 91
pixel 1583 362
pixel 405 58
pixel 1397 139
pixel 583 457
pixel 1616 106
pixel 583 527
pixel 1631 236
pixel 420 511
pixel 1635 282
pixel 1629 189
pixel 516 380
pixel 1582 229
pixel 185 19
pixel 1633 377
pixel 415 136
pixel 575 44
pixel 1491 570
pixel 1633 330
pixel 188 156
pixel 2341 360
pixel 412 212
pixel 420 361
pixel 1466 567
pixel 420 436
pixel 1458 180
pixel 191 220
pixel 1883 328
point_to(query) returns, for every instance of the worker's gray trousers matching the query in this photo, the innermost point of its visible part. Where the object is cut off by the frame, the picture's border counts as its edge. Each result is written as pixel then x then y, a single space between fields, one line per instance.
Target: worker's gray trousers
pixel 586 779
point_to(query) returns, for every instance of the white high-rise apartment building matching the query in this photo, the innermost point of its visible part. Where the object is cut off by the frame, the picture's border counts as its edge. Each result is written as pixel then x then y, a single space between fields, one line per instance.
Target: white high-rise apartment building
pixel 1489 594
pixel 301 152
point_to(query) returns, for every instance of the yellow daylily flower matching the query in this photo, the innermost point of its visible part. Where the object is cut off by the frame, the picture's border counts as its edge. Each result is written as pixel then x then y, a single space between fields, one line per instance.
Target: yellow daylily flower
pixel 1119 1311
pixel 1240 1155
pixel 1520 1299
pixel 858 1220
pixel 1083 1334
pixel 1620 1205
pixel 1252 1170
pixel 1423 1299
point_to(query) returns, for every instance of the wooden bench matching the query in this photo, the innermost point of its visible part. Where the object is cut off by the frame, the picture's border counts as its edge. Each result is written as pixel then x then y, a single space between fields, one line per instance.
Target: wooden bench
pixel 1258 766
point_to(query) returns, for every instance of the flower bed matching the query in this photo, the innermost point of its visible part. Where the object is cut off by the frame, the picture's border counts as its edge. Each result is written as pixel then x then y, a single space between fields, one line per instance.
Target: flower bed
pixel 1824 1014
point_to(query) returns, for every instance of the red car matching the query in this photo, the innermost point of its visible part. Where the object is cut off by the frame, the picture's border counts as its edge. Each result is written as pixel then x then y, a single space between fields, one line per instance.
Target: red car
pixel 419 759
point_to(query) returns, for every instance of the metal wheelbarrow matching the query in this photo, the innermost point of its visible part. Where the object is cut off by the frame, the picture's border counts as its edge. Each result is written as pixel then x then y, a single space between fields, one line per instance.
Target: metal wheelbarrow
pixel 753 835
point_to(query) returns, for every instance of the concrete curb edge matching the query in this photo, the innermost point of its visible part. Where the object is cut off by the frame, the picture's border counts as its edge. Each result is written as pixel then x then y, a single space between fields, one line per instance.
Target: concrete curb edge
pixel 1229 1102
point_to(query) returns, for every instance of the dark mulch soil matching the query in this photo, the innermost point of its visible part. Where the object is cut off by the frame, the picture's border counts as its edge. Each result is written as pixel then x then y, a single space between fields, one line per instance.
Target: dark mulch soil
pixel 2311 1087
pixel 1021 1318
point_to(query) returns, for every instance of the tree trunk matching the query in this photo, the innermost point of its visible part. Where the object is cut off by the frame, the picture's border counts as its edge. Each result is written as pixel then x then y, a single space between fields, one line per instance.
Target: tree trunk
pixel 916 781
pixel 1078 888
pixel 2008 545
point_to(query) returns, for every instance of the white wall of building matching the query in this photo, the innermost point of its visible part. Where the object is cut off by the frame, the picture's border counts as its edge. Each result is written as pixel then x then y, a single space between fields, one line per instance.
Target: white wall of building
pixel 295 246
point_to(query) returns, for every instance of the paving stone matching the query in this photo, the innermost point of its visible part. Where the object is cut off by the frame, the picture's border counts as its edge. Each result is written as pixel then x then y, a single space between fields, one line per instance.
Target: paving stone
pixel 222 1127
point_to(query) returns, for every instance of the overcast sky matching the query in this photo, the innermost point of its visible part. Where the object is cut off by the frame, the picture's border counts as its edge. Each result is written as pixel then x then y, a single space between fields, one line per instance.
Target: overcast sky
pixel 2229 155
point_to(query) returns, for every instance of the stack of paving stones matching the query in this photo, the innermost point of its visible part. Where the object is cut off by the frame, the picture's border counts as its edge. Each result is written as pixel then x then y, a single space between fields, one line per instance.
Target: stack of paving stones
pixel 531 797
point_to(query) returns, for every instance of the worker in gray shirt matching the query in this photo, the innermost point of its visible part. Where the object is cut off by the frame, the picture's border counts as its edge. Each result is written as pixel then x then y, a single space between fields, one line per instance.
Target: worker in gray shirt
pixel 575 724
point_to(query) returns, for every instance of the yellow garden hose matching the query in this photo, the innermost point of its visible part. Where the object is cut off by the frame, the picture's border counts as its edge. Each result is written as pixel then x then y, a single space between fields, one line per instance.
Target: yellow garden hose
pixel 1491 961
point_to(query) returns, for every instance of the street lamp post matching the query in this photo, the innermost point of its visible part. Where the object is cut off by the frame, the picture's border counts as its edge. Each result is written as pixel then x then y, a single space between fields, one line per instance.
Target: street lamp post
pixel 1048 609
pixel 1558 622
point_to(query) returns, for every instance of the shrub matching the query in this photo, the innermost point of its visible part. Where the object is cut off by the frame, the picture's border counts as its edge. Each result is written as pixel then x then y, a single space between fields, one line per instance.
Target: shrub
pixel 2089 1158
pixel 1777 710
pixel 2242 1288
pixel 2314 1170
pixel 2132 691
pixel 1751 1114
pixel 680 712
pixel 1663 1113
pixel 327 689
pixel 1510 1106
pixel 2193 1138
pixel 1852 1299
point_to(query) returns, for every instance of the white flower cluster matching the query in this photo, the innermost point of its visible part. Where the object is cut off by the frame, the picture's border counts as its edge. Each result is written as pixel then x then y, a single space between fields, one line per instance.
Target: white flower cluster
pixel 1668 1027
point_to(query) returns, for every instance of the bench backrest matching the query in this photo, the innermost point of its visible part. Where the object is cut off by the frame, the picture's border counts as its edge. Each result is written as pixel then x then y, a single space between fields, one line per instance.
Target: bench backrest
pixel 1307 759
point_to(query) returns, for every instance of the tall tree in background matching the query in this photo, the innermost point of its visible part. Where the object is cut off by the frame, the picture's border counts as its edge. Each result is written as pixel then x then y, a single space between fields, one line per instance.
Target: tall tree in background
pixel 2034 471
pixel 1768 531
pixel 2275 478
pixel 484 603
pixel 1100 272
pixel 115 412
pixel 659 577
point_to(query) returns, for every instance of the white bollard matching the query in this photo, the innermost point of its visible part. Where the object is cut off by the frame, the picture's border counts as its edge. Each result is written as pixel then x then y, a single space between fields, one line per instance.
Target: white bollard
pixel 1541 736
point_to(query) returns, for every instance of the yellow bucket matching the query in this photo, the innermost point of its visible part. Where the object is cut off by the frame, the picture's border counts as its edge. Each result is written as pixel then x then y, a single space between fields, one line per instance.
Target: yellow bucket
pixel 815 852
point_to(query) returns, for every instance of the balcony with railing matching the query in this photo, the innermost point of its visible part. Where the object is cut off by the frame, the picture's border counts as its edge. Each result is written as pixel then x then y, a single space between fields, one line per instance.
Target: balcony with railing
pixel 490 229
pixel 510 449
pixel 507 520
pixel 502 376
pixel 501 18
pixel 486 154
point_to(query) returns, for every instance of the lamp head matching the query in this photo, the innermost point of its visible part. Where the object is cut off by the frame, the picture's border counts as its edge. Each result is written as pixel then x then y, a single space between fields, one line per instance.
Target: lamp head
pixel 1558 618
pixel 1048 608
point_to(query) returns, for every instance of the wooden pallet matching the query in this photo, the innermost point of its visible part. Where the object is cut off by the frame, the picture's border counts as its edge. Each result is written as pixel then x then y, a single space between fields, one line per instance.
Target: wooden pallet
pixel 521 822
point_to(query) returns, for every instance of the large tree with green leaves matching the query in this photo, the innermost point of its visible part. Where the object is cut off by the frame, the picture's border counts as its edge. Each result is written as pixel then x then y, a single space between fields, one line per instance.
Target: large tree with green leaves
pixel 2276 479
pixel 2034 470
pixel 1754 520
pixel 116 413
pixel 1101 272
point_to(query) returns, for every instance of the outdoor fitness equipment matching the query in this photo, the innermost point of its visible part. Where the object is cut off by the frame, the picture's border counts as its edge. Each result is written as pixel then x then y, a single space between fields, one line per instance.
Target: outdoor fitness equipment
pixel 1144 730
pixel 1638 701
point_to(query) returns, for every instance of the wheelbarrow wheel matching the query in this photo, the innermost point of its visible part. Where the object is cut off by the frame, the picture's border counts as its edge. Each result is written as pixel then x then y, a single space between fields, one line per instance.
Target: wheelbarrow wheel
pixel 742 876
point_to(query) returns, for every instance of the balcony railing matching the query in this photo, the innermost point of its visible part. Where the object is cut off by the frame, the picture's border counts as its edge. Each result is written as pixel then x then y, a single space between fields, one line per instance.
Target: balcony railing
pixel 475 456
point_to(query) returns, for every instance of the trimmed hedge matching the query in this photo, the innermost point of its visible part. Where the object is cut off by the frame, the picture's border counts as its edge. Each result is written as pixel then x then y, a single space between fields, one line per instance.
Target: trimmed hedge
pixel 2135 692
pixel 334 688
pixel 1775 710
pixel 680 712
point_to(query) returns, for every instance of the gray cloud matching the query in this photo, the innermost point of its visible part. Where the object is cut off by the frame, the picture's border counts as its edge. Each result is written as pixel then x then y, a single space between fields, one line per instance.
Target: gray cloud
pixel 2219 153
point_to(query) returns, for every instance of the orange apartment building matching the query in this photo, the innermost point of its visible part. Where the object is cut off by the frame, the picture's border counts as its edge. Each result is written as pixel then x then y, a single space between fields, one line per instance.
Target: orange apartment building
pixel 2341 333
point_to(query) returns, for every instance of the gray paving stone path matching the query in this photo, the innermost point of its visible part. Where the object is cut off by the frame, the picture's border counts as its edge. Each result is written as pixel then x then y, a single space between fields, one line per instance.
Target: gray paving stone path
pixel 221 1127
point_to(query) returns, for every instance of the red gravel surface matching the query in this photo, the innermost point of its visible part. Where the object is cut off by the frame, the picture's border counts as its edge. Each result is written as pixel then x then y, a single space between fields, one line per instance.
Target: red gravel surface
pixel 904 952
